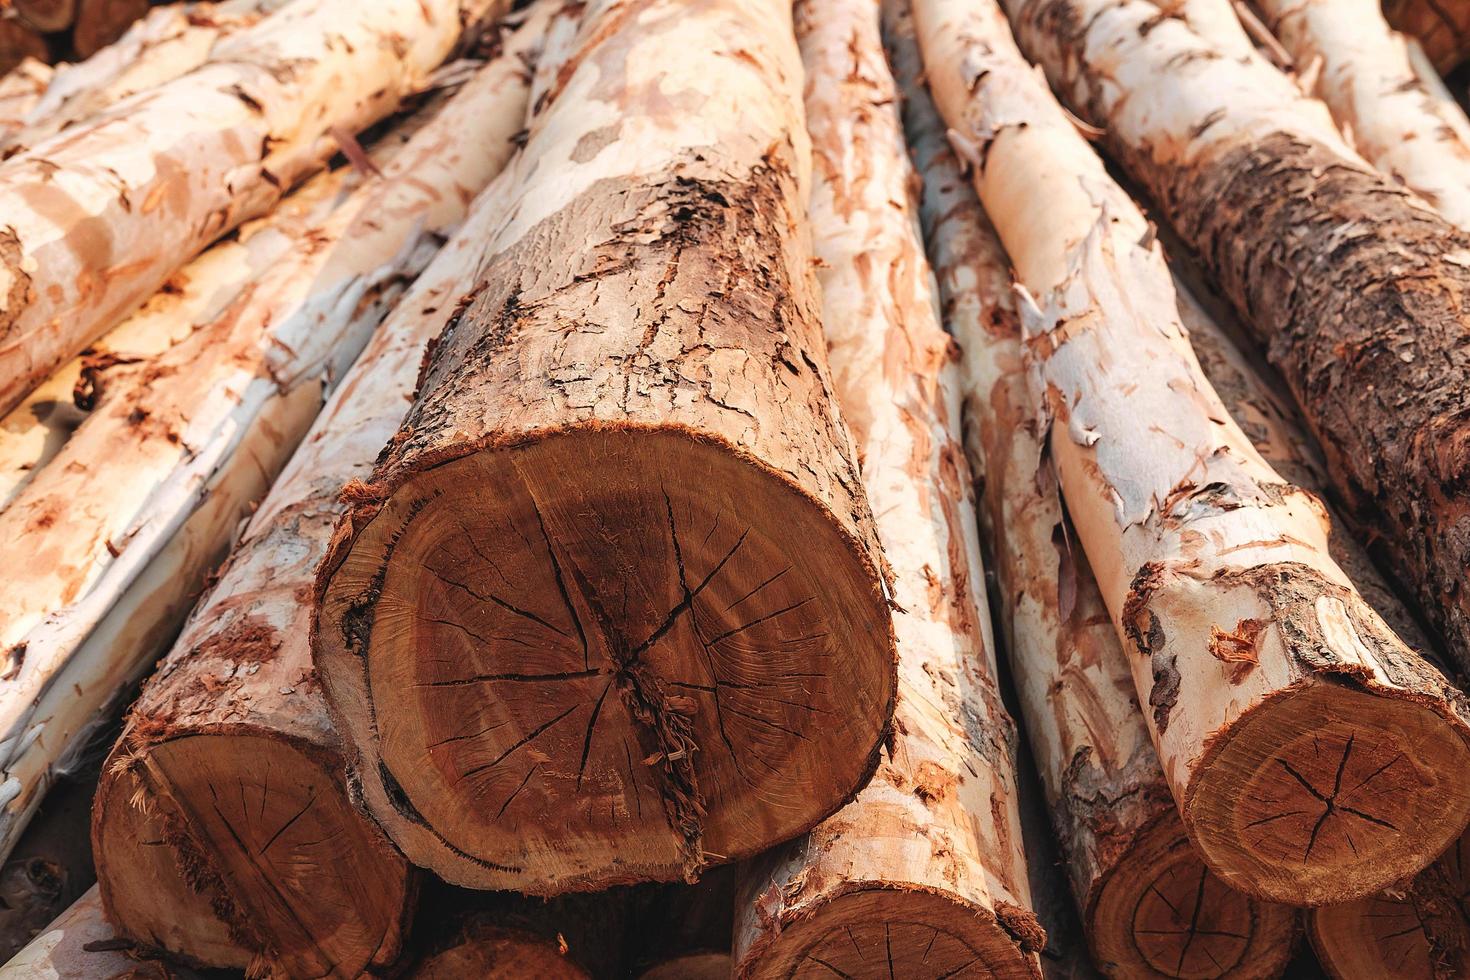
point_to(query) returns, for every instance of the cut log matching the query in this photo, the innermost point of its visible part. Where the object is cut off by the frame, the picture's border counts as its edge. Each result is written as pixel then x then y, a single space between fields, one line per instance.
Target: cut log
pixel 683 931
pixel 925 868
pixel 1442 28
pixel 168 42
pixel 100 22
pixel 145 187
pixel 1262 193
pixel 513 937
pixel 1364 72
pixel 611 607
pixel 1418 932
pixel 236 703
pixel 81 945
pixel 1150 907
pixel 46 16
pixel 1311 753
pixel 18 42
pixel 35 431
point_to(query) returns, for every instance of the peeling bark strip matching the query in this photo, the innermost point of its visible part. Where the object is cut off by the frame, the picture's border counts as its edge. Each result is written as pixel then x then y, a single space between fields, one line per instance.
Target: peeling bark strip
pixel 1417 932
pixel 611 607
pixel 1350 283
pixel 96 218
pixel 1329 768
pixel 925 868
pixel 162 45
pixel 1363 70
pixel 229 762
pixel 1150 907
pixel 1443 28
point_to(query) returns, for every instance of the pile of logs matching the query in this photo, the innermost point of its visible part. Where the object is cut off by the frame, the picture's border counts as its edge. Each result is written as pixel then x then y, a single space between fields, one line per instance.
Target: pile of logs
pixel 584 486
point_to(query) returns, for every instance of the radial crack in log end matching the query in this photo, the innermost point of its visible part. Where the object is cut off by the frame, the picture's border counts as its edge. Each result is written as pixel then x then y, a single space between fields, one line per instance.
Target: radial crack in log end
pixel 272 849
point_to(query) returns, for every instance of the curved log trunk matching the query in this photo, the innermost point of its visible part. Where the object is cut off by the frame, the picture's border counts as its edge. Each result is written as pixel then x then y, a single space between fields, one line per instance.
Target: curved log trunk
pixel 1150 906
pixel 1365 73
pixel 925 868
pixel 1309 751
pixel 286 869
pixel 166 43
pixel 1256 179
pixel 611 607
pixel 98 217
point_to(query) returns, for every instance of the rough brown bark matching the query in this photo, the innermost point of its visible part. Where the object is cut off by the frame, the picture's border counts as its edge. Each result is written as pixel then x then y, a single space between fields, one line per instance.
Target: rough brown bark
pixel 611 608
pixel 100 22
pixel 1149 905
pixel 683 931
pixel 1442 26
pixel 229 767
pixel 1354 288
pixel 81 945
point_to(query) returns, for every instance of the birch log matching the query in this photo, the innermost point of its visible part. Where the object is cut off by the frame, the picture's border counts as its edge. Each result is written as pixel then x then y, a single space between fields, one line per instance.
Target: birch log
pixel 1264 193
pixel 236 704
pixel 1363 70
pixel 1443 28
pixel 1150 907
pixel 100 215
pixel 611 606
pixel 1311 754
pixel 81 945
pixel 166 43
pixel 35 431
pixel 925 869
pixel 200 431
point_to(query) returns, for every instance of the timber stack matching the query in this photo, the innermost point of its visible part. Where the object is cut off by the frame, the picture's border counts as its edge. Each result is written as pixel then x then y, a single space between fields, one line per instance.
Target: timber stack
pixel 637 488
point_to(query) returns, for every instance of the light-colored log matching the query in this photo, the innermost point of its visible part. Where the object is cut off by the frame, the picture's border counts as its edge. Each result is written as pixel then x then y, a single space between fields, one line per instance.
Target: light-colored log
pixel 81 945
pixel 1310 752
pixel 1363 70
pixel 100 215
pixel 21 89
pixel 611 607
pixel 235 712
pixel 1348 281
pixel 925 869
pixel 1150 907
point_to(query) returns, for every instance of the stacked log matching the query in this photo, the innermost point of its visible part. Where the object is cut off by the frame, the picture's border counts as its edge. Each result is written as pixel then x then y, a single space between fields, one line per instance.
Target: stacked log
pixel 678 650
pixel 1281 187
pixel 81 944
pixel 1150 907
pixel 1443 28
pixel 1300 694
pixel 924 870
pixel 235 713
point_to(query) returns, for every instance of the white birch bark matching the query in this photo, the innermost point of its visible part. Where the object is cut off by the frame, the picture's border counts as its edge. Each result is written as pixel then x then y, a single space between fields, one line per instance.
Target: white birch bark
pixel 1270 685
pixel 925 868
pixel 99 216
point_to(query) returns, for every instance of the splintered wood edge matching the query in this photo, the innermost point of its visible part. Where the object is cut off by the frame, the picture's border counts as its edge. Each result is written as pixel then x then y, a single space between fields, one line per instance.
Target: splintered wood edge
pixel 737 608
pixel 1328 793
pixel 287 813
pixel 889 931
pixel 1161 912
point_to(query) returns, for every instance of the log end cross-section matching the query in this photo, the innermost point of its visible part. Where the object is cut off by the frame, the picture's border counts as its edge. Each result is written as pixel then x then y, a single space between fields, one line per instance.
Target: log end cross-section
pixel 610 655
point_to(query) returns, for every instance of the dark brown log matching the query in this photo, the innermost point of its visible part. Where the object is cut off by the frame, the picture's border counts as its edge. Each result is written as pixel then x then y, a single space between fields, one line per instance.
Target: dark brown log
pixel 611 607
pixel 46 16
pixel 100 22
pixel 18 41
pixel 1442 27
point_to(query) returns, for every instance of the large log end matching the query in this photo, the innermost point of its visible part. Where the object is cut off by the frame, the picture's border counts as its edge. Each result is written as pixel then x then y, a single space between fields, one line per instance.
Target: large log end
pixel 602 655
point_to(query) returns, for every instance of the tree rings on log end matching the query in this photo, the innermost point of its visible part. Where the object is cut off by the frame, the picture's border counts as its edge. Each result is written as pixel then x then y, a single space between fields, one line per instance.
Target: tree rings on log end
pixel 245 841
pixel 894 932
pixel 603 656
pixel 1162 913
pixel 1329 793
